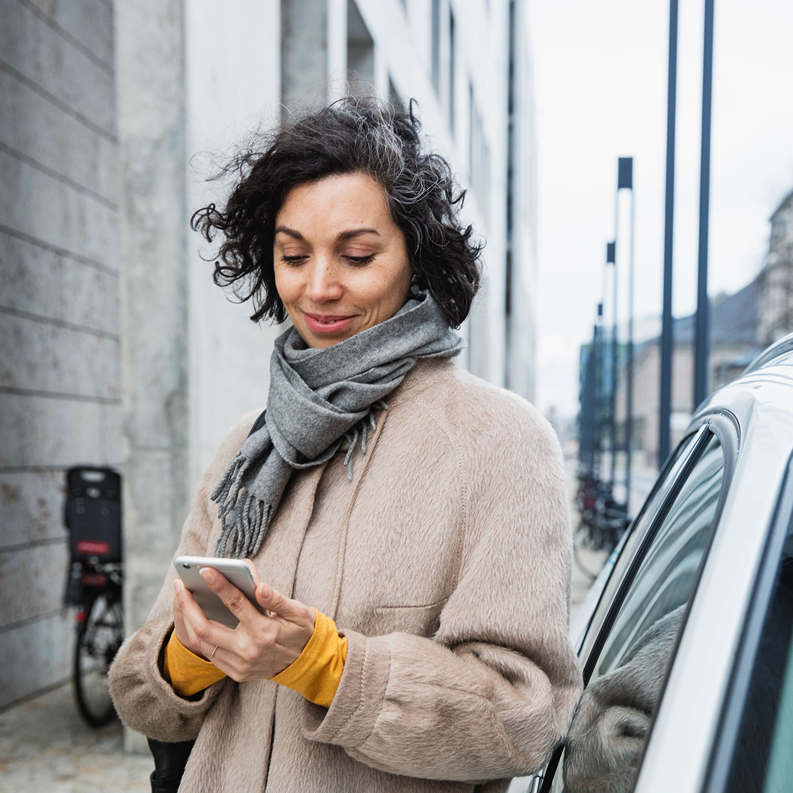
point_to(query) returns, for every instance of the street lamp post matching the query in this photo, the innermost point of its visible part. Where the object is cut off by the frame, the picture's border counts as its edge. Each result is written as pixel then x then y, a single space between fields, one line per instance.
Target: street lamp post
pixel 625 182
pixel 702 323
pixel 598 392
pixel 611 258
pixel 667 329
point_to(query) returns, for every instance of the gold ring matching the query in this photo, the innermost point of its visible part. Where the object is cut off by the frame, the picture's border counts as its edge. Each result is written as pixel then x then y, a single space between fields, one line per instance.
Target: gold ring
pixel 213 652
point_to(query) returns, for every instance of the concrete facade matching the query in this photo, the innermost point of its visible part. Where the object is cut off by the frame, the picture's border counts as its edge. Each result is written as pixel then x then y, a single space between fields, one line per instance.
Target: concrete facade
pixel 60 389
pixel 118 348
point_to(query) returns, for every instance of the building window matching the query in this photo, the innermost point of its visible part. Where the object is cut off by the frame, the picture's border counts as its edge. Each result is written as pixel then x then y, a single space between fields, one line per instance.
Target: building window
pixel 360 47
pixel 452 70
pixel 435 59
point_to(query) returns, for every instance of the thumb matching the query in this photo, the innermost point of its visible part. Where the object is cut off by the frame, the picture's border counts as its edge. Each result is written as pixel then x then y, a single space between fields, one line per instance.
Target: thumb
pixel 272 600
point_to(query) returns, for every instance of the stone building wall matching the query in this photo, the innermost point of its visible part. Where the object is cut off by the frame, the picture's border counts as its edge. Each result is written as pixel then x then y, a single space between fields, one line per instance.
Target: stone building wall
pixel 59 309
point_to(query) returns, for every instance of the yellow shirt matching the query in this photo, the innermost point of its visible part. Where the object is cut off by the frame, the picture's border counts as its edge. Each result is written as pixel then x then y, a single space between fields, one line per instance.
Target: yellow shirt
pixel 315 674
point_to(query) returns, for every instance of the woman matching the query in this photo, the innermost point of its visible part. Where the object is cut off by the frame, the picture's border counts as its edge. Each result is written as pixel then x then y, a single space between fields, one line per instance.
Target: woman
pixel 386 491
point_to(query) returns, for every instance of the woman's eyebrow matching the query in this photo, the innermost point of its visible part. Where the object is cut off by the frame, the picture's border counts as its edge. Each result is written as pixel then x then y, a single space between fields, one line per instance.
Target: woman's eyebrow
pixel 346 235
pixel 291 232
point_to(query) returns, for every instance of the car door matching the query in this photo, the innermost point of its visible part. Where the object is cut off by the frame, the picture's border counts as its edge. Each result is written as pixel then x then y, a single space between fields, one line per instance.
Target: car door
pixel 631 641
pixel 753 750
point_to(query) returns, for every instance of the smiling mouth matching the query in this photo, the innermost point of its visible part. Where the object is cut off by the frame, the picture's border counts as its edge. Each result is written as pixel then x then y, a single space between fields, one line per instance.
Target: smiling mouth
pixel 327 323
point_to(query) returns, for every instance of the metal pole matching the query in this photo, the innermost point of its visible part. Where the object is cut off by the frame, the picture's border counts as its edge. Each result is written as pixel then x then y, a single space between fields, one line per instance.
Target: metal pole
pixel 625 182
pixel 598 392
pixel 665 397
pixel 702 322
pixel 611 258
pixel 629 383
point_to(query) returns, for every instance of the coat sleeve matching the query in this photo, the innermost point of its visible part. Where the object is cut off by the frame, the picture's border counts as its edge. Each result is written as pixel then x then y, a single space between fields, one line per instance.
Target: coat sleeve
pixel 493 692
pixel 144 700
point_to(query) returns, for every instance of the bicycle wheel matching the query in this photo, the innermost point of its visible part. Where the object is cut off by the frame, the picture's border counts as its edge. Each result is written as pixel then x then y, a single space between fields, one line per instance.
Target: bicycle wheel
pixel 99 635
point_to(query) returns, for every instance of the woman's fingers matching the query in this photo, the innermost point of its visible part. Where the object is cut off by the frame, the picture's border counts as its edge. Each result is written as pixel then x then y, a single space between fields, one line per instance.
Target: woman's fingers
pixel 233 599
pixel 284 607
pixel 209 634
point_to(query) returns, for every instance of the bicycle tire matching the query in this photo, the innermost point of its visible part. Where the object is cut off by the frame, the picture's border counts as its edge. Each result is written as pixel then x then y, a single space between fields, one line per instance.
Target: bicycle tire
pixel 98 638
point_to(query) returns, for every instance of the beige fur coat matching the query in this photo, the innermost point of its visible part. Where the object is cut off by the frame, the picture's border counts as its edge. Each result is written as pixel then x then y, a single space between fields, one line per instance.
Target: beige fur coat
pixel 445 562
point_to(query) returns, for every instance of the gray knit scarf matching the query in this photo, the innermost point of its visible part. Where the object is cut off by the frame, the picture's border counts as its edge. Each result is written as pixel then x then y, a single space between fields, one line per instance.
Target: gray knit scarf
pixel 318 400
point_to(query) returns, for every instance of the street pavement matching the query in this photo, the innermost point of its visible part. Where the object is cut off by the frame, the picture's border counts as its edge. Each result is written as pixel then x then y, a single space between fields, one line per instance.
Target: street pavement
pixel 46 748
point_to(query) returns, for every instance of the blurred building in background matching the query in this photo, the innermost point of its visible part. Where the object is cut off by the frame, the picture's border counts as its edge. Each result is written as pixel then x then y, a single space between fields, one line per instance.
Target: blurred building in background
pixel 118 349
pixel 776 311
pixel 734 343
pixel 741 326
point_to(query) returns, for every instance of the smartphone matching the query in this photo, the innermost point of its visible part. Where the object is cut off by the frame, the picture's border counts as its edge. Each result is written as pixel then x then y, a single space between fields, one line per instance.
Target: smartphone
pixel 236 571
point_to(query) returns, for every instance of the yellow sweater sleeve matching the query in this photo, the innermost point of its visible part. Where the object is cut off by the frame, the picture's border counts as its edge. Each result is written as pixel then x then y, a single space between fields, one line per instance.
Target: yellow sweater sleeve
pixel 315 674
pixel 317 671
pixel 185 671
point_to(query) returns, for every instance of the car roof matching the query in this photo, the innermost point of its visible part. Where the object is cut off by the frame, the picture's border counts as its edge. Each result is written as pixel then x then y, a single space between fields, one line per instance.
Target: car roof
pixel 767 380
pixel 771 354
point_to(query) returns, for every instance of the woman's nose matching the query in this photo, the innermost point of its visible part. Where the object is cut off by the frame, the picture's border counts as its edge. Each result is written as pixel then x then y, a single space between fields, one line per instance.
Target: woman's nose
pixel 323 284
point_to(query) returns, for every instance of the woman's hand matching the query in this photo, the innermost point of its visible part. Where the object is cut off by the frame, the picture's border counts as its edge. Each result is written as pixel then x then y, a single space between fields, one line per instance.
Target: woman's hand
pixel 260 646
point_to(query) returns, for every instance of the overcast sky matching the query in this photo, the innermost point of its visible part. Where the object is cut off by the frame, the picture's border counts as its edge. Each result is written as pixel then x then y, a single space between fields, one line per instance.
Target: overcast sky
pixel 600 84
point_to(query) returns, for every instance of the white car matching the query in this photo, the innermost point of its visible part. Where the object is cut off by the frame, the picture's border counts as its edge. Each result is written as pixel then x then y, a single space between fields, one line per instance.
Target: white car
pixel 685 638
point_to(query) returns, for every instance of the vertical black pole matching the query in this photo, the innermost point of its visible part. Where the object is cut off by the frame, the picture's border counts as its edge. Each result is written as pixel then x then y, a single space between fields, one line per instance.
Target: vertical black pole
pixel 599 392
pixel 611 258
pixel 629 383
pixel 702 324
pixel 625 181
pixel 665 400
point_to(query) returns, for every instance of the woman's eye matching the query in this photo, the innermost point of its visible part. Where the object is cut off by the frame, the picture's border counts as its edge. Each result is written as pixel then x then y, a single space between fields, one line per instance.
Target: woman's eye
pixel 293 259
pixel 359 259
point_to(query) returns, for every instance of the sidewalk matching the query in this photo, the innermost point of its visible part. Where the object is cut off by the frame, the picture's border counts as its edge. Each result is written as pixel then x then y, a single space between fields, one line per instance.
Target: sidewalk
pixel 46 748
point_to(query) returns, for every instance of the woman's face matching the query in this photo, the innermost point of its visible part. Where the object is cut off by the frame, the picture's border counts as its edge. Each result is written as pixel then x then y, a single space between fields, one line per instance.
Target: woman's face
pixel 340 260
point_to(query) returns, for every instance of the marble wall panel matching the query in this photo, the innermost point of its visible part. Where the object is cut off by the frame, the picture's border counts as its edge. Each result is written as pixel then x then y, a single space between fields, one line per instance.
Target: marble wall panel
pixel 32 125
pixel 38 281
pixel 89 22
pixel 42 432
pixel 33 49
pixel 39 356
pixel 33 581
pixel 46 647
pixel 31 504
pixel 46 209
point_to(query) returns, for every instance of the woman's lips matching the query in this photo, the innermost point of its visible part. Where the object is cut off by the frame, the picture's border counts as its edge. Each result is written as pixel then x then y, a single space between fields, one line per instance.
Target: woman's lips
pixel 328 323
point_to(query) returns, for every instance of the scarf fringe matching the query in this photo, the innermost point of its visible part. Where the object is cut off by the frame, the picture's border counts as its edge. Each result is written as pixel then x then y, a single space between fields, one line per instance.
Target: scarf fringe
pixel 360 430
pixel 245 518
pixel 244 528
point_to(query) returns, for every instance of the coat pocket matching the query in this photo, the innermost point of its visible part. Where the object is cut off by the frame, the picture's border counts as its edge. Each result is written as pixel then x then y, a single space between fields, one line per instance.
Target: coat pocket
pixel 418 620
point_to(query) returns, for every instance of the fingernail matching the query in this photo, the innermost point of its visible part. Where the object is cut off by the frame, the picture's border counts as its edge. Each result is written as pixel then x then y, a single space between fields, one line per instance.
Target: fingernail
pixel 207 574
pixel 177 585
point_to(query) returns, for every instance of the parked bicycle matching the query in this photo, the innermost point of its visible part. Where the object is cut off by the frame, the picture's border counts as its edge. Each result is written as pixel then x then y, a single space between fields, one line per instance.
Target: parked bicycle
pixel 94 586
pixel 602 522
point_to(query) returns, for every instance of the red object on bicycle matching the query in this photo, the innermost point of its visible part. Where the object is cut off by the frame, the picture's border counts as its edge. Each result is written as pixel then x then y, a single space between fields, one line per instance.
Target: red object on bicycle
pixel 90 547
pixel 94 579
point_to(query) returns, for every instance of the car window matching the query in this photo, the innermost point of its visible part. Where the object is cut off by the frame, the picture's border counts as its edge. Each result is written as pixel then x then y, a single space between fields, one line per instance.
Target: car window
pixel 636 533
pixel 763 759
pixel 606 739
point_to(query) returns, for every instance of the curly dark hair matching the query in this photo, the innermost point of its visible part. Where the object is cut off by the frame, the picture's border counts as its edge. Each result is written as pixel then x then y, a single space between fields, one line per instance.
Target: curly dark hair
pixel 355 134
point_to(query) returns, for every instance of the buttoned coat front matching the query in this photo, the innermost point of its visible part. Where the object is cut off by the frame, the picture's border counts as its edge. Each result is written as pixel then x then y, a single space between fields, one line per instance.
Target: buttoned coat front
pixel 445 561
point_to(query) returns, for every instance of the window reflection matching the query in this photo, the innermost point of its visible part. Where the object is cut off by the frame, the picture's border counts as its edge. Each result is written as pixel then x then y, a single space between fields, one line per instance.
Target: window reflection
pixel 606 739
